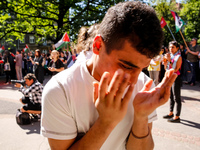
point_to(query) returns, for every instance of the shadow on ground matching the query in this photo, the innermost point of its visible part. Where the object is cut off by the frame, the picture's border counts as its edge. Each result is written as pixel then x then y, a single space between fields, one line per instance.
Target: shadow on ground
pixel 185 98
pixel 34 127
pixel 190 123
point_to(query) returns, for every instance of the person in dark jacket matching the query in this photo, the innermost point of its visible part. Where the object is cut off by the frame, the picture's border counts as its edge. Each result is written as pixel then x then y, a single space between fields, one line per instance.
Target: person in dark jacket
pixel 38 69
pixel 8 58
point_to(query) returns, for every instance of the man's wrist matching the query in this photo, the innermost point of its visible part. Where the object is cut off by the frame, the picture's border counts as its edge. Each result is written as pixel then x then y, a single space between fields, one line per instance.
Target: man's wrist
pixel 140 126
pixel 140 137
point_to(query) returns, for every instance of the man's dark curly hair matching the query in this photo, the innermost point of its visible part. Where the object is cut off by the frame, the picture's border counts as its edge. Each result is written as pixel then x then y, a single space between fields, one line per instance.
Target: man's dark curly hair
pixel 30 76
pixel 134 22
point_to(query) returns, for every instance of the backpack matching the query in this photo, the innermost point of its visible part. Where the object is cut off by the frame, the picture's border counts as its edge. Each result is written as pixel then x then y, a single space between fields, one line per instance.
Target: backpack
pixel 22 118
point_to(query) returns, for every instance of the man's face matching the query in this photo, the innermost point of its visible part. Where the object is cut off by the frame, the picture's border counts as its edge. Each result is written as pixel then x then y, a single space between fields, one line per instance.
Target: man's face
pixel 29 82
pixel 193 41
pixel 127 59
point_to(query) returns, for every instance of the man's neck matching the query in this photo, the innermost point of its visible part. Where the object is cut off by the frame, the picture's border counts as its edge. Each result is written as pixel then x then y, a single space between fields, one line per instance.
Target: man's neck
pixel 193 45
pixel 91 68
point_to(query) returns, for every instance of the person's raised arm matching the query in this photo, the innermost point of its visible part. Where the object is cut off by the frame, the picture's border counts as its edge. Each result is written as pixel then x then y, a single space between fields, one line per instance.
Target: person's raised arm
pixel 193 53
pixel 144 104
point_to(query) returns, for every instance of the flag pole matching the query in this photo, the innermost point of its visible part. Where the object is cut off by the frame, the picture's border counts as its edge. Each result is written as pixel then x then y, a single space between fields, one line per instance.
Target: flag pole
pixel 171 33
pixel 183 38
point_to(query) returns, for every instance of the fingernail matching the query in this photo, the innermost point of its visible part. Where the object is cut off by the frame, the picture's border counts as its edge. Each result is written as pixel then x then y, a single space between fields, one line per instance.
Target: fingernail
pixel 119 71
pixel 132 85
pixel 126 75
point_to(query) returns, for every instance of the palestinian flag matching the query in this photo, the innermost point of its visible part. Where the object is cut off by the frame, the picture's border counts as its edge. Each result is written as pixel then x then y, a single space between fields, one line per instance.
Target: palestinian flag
pixel 26 49
pixel 2 49
pixel 178 21
pixel 163 22
pixel 65 39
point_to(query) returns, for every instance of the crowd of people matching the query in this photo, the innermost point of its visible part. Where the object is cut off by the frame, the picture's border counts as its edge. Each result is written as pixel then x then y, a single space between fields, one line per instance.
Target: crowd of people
pixel 189 53
pixel 40 64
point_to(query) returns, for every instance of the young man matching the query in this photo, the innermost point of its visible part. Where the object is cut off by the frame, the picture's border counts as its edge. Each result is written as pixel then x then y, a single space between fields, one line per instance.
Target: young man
pixel 106 102
pixel 32 94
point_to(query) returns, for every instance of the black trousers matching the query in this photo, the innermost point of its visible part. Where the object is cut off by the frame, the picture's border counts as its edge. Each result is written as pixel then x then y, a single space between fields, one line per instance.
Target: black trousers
pixel 175 96
pixel 8 76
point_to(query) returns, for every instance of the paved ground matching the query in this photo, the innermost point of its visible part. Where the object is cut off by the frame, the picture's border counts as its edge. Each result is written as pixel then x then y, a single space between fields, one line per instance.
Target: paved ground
pixel 167 136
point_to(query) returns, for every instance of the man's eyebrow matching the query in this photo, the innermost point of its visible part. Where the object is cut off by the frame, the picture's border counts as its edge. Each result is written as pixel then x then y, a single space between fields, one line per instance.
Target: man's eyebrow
pixel 128 63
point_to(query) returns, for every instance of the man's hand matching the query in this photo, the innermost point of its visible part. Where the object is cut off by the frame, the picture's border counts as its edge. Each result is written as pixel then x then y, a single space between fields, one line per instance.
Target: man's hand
pixel 108 97
pixel 188 49
pixel 146 101
pixel 18 85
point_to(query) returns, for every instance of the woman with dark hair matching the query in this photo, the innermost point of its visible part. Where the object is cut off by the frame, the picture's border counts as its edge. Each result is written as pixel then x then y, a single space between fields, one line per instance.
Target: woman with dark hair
pixel 38 69
pixel 174 60
pixel 8 58
pixel 183 51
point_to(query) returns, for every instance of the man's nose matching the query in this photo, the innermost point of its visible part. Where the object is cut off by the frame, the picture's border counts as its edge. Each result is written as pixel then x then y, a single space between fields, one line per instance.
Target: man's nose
pixel 134 76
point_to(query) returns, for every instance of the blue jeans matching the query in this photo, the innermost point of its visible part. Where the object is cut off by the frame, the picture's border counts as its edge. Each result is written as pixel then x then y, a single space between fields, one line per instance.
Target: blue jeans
pixel 29 67
pixel 194 71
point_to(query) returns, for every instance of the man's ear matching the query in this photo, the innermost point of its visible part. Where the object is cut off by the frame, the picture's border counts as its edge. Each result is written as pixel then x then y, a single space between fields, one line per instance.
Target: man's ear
pixel 97 44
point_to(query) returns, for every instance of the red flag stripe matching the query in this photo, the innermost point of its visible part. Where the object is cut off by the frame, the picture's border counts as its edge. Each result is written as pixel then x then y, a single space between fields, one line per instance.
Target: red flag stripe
pixel 162 22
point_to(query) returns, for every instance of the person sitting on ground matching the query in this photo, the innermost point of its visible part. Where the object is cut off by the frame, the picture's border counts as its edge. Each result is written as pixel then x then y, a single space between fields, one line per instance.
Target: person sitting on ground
pixel 32 93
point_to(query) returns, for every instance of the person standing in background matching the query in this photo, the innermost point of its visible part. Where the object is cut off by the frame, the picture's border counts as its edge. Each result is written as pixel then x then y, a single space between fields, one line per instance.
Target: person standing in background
pixel 56 65
pixel 192 55
pixel 18 65
pixel 162 68
pixel 154 68
pixel 63 59
pixel 174 60
pixel 8 58
pixel 29 64
pixel 24 64
pixel 183 51
pixel 85 41
pixel 38 69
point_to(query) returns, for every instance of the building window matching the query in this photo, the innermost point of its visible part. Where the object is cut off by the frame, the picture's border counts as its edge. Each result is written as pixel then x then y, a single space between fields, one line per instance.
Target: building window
pixel 44 41
pixel 22 41
pixel 31 39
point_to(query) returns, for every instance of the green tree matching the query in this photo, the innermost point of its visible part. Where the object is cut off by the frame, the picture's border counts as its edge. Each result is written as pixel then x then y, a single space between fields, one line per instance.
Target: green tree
pixel 49 18
pixel 191 13
pixel 163 8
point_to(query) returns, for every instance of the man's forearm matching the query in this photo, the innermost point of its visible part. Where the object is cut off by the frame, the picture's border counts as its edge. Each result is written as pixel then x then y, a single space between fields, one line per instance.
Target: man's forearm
pixel 94 138
pixel 140 137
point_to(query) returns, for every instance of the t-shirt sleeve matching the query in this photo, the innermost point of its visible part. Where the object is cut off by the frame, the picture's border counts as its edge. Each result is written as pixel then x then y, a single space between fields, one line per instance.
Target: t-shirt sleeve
pixel 57 121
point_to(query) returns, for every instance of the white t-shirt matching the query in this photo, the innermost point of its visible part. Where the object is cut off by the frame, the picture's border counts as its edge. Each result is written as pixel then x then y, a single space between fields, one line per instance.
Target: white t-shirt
pixel 68 107
pixel 83 56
